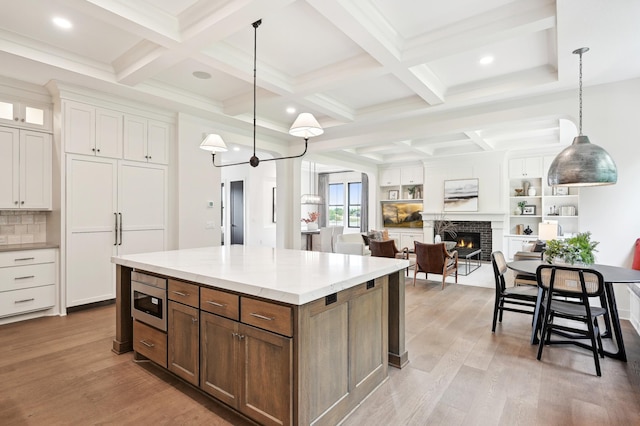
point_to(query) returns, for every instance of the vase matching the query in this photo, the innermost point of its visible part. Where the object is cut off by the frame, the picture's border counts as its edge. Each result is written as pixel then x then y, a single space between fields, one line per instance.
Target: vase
pixel 532 192
pixel 437 239
pixel 312 226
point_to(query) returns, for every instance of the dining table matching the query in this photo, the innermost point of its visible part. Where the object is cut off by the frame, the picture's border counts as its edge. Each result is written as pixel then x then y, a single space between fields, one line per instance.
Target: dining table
pixel 612 275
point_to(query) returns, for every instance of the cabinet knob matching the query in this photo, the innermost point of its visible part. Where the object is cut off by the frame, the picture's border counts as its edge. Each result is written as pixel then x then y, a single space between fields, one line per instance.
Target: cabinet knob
pixel 22 120
pixel 93 149
pixel 98 150
pixel 15 202
pixel 21 202
pixel 16 119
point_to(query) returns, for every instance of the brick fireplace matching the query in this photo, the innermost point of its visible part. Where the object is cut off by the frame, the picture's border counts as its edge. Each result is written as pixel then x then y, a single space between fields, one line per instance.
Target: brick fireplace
pixel 473 229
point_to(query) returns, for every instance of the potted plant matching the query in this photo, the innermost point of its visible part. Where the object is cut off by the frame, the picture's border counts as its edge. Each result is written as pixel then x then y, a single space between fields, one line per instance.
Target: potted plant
pixel 412 191
pixel 521 205
pixel 311 220
pixel 577 249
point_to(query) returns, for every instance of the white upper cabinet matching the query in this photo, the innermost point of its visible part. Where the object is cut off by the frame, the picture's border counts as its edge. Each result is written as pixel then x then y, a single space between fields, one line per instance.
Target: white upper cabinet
pixel 25 169
pixel 146 140
pixel 413 175
pixel 389 177
pixel 25 114
pixel 525 168
pixel 92 131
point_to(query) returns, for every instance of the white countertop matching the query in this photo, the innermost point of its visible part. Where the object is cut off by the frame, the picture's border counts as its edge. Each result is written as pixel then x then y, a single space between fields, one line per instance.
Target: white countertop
pixel 290 276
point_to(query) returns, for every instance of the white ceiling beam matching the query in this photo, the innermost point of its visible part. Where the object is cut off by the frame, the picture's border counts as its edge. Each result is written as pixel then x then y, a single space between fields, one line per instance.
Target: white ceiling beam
pixel 478 140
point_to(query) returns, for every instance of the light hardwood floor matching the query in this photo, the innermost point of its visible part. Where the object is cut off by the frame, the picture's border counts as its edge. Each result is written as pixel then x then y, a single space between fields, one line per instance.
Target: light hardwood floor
pixel 61 371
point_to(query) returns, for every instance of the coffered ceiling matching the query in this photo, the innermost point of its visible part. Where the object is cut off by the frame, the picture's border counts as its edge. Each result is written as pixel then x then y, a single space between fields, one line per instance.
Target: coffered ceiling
pixel 389 80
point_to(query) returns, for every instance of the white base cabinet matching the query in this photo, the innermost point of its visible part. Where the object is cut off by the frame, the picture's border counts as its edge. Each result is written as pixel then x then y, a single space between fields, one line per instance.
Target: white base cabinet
pixel 27 281
pixel 114 207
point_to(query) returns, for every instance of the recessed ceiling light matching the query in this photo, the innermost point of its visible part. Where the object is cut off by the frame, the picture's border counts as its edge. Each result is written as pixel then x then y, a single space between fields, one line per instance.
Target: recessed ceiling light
pixel 203 75
pixel 291 110
pixel 236 148
pixel 486 60
pixel 62 22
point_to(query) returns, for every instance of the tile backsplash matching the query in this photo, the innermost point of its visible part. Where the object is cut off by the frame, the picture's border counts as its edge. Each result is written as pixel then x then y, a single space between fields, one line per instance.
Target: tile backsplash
pixel 18 227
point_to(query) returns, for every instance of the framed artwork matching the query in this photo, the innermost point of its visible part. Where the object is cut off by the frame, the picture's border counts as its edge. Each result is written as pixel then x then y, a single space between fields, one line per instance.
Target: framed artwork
pixel 393 194
pixel 461 195
pixel 273 204
pixel 402 215
pixel 529 210
pixel 562 190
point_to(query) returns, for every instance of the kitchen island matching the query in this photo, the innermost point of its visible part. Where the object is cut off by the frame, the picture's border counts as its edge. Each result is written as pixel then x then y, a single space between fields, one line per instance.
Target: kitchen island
pixel 282 336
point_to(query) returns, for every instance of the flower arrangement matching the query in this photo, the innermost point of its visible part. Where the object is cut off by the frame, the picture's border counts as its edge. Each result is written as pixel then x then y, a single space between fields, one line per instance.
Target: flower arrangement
pixel 578 248
pixel 313 216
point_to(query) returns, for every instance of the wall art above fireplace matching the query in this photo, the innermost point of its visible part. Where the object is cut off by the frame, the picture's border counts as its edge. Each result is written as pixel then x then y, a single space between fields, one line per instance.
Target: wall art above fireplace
pixel 461 195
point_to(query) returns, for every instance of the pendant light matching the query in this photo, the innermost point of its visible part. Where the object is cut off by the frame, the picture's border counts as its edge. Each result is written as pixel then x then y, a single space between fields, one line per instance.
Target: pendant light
pixel 582 163
pixel 305 126
pixel 311 197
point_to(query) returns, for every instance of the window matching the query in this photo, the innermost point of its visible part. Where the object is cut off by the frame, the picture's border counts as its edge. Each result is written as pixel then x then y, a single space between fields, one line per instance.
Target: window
pixel 336 204
pixel 355 195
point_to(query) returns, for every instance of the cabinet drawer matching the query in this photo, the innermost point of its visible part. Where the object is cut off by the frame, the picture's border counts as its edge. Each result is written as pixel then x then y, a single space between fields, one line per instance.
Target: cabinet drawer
pixel 27 257
pixel 150 342
pixel 185 293
pixel 27 300
pixel 269 316
pixel 20 277
pixel 220 303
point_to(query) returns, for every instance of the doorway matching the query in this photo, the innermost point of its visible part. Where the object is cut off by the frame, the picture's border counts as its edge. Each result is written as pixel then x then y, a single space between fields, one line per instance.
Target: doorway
pixel 236 212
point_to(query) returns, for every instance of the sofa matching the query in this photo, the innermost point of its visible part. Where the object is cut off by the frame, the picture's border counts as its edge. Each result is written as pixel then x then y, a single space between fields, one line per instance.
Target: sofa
pixel 352 243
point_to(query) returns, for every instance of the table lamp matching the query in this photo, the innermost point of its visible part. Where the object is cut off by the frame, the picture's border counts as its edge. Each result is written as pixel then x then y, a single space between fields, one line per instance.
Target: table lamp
pixel 548 230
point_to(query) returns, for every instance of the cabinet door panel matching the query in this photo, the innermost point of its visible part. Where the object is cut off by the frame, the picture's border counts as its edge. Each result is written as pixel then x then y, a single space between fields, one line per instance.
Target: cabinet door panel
pixel 141 241
pixel 367 331
pixel 91 194
pixel 219 358
pixel 135 138
pixel 142 198
pixel 267 385
pixel 90 273
pixel 158 142
pixel 79 128
pixel 183 334
pixel 35 170
pixel 9 168
pixel 108 133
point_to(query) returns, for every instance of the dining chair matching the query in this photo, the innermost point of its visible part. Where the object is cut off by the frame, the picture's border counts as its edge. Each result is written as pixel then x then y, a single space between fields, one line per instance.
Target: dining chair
pixel 521 299
pixel 580 285
pixel 526 279
pixel 435 259
pixel 388 249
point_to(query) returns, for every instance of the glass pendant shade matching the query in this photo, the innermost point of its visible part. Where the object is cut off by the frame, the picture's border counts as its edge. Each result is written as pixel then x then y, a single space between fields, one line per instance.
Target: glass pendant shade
pixel 582 164
pixel 213 143
pixel 306 126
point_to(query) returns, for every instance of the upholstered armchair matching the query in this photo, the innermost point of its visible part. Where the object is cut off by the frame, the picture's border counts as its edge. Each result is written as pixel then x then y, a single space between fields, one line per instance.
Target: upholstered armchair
pixel 435 259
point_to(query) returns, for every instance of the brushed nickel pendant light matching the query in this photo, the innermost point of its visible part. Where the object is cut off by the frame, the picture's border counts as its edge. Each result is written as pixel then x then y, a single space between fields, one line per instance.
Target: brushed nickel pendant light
pixel 582 163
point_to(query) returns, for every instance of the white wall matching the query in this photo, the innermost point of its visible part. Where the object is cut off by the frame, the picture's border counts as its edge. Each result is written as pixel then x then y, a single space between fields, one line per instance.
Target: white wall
pixel 611 117
pixel 198 183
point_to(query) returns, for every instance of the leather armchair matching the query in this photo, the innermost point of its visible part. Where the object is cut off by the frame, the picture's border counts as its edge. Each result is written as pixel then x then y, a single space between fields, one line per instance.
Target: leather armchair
pixel 435 259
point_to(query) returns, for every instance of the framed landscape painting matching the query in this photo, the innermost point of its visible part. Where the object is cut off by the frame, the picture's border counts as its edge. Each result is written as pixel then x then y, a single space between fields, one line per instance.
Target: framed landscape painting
pixel 461 195
pixel 402 215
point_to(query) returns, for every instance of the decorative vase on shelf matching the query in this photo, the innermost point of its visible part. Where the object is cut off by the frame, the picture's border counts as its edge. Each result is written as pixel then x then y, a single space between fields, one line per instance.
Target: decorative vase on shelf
pixel 312 226
pixel 437 239
pixel 532 192
pixel 525 186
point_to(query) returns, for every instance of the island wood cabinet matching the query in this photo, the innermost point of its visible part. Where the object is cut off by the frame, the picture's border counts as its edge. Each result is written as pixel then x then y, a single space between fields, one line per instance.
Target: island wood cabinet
pixel 183 330
pixel 247 368
pixel 276 363
pixel 25 169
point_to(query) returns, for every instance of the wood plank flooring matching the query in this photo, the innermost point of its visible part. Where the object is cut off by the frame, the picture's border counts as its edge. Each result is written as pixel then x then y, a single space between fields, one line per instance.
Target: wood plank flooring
pixel 61 371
